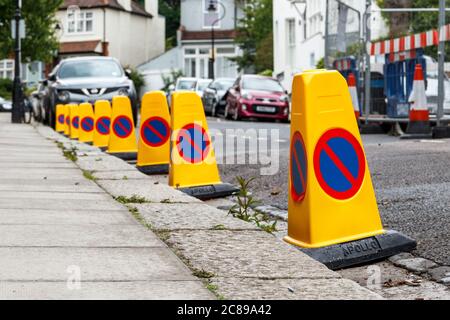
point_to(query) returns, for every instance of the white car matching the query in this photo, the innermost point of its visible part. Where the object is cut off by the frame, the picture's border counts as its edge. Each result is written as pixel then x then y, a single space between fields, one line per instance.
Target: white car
pixel 202 84
pixel 5 105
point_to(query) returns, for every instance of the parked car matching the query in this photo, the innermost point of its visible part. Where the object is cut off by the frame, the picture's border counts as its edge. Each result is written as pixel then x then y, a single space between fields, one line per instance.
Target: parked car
pixel 186 84
pixel 201 85
pixel 5 105
pixel 214 99
pixel 87 79
pixel 257 97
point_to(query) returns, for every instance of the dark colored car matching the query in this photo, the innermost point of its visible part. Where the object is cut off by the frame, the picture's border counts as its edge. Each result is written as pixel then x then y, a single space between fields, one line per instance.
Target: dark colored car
pixel 257 97
pixel 214 99
pixel 87 79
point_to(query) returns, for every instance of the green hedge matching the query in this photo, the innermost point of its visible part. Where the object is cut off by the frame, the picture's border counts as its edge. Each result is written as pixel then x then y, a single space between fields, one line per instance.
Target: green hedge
pixel 6 86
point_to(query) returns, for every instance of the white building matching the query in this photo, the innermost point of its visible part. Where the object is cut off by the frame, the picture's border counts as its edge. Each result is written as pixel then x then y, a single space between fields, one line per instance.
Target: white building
pixel 122 29
pixel 299 34
pixel 192 54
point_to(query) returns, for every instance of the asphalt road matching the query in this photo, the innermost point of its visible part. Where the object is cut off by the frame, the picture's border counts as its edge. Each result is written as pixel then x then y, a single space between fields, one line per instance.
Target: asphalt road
pixel 411 180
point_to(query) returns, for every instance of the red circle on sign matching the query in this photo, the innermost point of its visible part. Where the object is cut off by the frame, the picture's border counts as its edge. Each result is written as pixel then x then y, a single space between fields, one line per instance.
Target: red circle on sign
pixel 202 150
pixel 162 137
pixel 299 172
pixel 322 146
pixel 119 122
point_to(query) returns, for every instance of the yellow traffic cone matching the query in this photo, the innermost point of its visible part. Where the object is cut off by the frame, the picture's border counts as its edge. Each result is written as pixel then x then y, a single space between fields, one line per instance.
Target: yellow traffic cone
pixel 333 213
pixel 60 118
pixel 102 124
pixel 74 121
pixel 86 131
pixel 154 139
pixel 122 142
pixel 193 168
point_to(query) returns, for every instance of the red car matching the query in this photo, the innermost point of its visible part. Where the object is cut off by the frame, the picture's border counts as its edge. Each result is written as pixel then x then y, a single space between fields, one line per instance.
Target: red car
pixel 257 97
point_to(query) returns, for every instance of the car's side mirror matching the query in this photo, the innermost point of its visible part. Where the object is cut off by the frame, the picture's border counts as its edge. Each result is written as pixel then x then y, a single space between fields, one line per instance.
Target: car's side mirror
pixel 128 73
pixel 172 87
pixel 45 82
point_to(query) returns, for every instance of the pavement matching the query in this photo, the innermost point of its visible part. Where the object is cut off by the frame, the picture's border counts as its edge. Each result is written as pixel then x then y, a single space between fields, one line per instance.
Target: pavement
pixel 63 237
pixel 90 226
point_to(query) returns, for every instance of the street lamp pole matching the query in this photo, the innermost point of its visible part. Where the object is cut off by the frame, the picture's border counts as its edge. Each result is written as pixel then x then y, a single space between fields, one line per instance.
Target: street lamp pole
pixel 17 110
pixel 213 8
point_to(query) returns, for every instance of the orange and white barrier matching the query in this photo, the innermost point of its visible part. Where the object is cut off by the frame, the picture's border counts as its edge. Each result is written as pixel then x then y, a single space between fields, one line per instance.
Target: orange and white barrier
pixel 351 81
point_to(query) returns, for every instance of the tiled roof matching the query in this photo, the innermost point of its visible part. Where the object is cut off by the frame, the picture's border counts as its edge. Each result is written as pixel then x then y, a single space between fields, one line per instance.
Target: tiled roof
pixel 78 47
pixel 206 35
pixel 136 8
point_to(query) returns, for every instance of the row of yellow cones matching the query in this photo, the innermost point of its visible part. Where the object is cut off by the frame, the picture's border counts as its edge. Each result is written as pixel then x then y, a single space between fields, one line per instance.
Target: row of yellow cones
pixel 177 143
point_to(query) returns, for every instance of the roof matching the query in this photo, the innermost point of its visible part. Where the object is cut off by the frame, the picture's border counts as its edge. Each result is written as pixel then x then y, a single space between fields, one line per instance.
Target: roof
pixel 136 8
pixel 78 47
pixel 206 35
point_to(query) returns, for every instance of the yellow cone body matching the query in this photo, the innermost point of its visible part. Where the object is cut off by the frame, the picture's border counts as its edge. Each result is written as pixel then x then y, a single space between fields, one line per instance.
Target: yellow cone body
pixel 122 134
pixel 74 121
pixel 67 121
pixel 331 197
pixel 87 123
pixel 60 118
pixel 154 135
pixel 193 162
pixel 102 123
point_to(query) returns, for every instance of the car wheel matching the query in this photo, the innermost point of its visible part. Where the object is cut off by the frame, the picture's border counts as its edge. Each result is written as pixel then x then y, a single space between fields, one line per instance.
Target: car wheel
pixel 226 112
pixel 213 110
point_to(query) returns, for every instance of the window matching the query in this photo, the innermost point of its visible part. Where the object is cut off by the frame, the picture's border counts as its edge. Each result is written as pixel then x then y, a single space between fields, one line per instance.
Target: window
pixel 291 41
pixel 7 69
pixel 190 67
pixel 211 18
pixel 80 22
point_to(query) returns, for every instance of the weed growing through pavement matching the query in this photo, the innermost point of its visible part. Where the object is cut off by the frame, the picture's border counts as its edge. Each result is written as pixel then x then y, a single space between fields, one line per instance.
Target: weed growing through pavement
pixel 135 213
pixel 133 199
pixel 89 175
pixel 70 154
pixel 245 207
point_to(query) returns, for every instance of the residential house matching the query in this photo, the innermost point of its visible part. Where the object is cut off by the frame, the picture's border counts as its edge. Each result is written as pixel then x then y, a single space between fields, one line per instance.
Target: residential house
pixel 194 48
pixel 124 29
pixel 299 33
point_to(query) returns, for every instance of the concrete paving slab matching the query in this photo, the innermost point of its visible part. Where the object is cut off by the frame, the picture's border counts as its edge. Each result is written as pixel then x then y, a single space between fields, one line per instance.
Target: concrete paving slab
pixel 62 185
pixel 65 217
pixel 103 163
pixel 292 289
pixel 41 174
pixel 146 189
pixel 77 236
pixel 252 254
pixel 95 264
pixel 124 290
pixel 119 175
pixel 32 158
pixel 189 217
pixel 53 195
pixel 38 165
pixel 60 204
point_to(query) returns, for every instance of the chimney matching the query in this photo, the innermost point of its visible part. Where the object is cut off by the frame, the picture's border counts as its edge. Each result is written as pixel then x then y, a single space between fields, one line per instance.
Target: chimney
pixel 151 6
pixel 126 4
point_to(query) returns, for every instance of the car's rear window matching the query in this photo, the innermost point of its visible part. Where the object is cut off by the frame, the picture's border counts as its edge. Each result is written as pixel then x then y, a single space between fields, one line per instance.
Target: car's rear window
pixel 90 69
pixel 186 85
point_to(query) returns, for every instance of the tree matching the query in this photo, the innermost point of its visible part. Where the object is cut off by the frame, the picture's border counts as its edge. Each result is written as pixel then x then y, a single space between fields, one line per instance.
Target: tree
pixel 40 42
pixel 255 36
pixel 171 10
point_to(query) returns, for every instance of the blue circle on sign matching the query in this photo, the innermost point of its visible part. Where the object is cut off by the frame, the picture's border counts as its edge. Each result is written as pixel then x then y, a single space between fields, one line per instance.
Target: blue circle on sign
pixel 298 168
pixel 76 122
pixel 61 119
pixel 155 131
pixel 102 125
pixel 193 143
pixel 339 164
pixel 87 124
pixel 123 126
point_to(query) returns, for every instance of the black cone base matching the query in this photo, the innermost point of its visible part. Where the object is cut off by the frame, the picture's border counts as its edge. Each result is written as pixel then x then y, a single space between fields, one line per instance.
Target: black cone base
pixel 362 251
pixel 124 155
pixel 211 191
pixel 103 148
pixel 154 169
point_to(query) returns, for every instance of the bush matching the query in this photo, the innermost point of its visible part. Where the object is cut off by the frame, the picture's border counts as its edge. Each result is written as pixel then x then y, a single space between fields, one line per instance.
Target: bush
pixel 6 88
